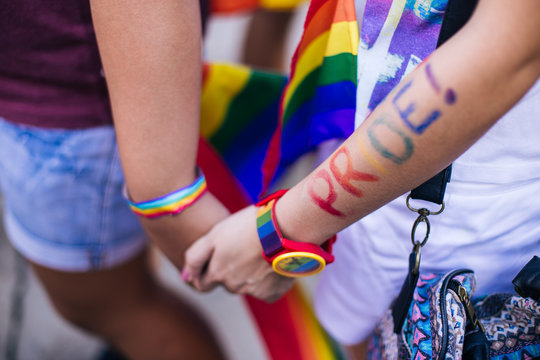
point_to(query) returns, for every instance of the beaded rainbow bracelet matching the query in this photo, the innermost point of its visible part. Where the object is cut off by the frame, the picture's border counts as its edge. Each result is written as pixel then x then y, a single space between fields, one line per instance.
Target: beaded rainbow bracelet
pixel 172 203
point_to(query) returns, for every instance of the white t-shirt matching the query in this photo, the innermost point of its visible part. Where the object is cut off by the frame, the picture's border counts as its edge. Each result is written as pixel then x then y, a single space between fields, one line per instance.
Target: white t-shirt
pixel 491 223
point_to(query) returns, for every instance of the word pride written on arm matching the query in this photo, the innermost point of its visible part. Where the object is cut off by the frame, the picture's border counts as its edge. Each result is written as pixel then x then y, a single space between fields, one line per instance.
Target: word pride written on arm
pixel 382 134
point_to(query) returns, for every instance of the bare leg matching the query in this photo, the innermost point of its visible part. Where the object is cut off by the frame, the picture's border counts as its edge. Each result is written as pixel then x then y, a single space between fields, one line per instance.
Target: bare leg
pixel 127 308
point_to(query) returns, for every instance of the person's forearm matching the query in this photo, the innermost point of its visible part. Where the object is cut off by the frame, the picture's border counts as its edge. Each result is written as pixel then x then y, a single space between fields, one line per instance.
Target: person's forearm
pixel 151 54
pixel 151 57
pixel 431 118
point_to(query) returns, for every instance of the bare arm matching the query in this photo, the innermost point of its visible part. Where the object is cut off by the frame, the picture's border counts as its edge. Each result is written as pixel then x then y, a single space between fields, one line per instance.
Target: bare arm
pixel 432 117
pixel 151 53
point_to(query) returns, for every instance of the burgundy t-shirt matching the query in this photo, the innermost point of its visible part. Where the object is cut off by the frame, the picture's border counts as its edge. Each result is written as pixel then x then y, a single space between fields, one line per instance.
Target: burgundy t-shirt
pixel 50 69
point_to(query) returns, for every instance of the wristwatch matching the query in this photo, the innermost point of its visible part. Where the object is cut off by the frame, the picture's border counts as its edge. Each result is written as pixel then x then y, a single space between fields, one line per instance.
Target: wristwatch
pixel 289 258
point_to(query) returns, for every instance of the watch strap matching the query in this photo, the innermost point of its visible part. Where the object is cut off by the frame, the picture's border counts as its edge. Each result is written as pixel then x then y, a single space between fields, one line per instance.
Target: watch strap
pixel 323 251
pixel 269 237
pixel 272 240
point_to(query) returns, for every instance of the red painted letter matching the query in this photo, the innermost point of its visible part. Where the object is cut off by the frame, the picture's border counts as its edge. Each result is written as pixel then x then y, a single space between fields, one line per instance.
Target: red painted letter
pixel 344 178
pixel 325 204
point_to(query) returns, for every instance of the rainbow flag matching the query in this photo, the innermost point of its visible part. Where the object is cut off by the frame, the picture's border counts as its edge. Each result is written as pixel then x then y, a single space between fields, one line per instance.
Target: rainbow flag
pixel 315 343
pixel 288 326
pixel 239 114
pixel 320 98
pixel 240 110
pixel 290 329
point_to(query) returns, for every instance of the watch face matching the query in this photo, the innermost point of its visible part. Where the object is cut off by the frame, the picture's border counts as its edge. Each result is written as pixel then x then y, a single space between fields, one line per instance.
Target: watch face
pixel 298 263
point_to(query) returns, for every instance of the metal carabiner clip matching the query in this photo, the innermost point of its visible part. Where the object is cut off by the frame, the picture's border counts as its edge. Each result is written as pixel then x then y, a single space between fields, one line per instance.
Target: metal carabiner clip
pixel 423 214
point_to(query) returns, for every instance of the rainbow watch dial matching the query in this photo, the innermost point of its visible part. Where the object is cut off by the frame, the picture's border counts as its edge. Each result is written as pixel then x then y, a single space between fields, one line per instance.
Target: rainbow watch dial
pixel 298 264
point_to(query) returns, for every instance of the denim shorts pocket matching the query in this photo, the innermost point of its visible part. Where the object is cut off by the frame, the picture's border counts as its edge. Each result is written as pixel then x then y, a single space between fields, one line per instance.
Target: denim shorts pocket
pixel 53 179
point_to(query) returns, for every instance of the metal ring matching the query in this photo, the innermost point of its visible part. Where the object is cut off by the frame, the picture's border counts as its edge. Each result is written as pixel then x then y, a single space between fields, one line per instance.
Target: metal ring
pixel 418 220
pixel 418 210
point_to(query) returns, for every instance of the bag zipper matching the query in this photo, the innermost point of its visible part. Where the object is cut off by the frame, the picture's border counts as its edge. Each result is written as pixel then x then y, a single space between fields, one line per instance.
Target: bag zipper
pixel 449 283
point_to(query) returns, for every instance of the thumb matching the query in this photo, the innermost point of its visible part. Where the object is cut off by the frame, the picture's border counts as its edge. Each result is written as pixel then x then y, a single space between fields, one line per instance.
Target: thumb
pixel 197 257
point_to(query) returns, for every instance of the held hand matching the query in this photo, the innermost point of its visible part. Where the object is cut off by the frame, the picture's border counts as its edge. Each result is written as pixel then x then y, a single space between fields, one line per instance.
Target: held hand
pixel 231 255
pixel 174 234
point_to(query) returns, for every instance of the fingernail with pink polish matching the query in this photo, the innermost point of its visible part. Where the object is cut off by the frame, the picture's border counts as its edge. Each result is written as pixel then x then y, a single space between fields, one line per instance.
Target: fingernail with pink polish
pixel 186 276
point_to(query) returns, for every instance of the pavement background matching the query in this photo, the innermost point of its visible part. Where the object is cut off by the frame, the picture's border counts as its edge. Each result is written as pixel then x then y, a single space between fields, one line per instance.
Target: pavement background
pixel 31 330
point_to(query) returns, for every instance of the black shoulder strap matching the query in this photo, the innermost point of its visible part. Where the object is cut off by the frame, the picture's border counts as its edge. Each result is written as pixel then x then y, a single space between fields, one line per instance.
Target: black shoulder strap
pixel 456 15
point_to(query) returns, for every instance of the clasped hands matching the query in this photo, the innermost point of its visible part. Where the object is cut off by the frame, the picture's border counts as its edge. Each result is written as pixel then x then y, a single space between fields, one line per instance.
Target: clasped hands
pixel 230 254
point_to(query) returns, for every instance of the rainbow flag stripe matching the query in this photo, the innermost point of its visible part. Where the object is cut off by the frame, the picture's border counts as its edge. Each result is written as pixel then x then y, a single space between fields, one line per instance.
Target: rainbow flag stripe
pixel 320 98
pixel 291 330
pixel 239 114
pixel 280 5
pixel 319 101
pixel 314 342
pixel 223 7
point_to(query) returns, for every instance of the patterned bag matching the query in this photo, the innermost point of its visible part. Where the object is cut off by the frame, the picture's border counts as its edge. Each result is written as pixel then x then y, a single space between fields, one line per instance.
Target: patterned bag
pixel 442 323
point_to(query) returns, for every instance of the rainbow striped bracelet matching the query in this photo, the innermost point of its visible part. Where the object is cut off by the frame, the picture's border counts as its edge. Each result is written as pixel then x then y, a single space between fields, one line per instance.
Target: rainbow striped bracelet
pixel 172 203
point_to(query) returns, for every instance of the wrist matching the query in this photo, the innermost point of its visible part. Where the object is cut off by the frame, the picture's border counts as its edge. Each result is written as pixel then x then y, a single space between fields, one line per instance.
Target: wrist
pixel 289 257
pixel 299 222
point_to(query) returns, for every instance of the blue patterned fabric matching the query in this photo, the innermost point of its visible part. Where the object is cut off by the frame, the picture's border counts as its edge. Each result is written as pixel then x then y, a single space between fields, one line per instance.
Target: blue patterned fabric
pixel 436 323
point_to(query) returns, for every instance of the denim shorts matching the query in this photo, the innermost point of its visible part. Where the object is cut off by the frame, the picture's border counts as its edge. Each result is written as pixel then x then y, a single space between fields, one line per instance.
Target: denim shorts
pixel 62 194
